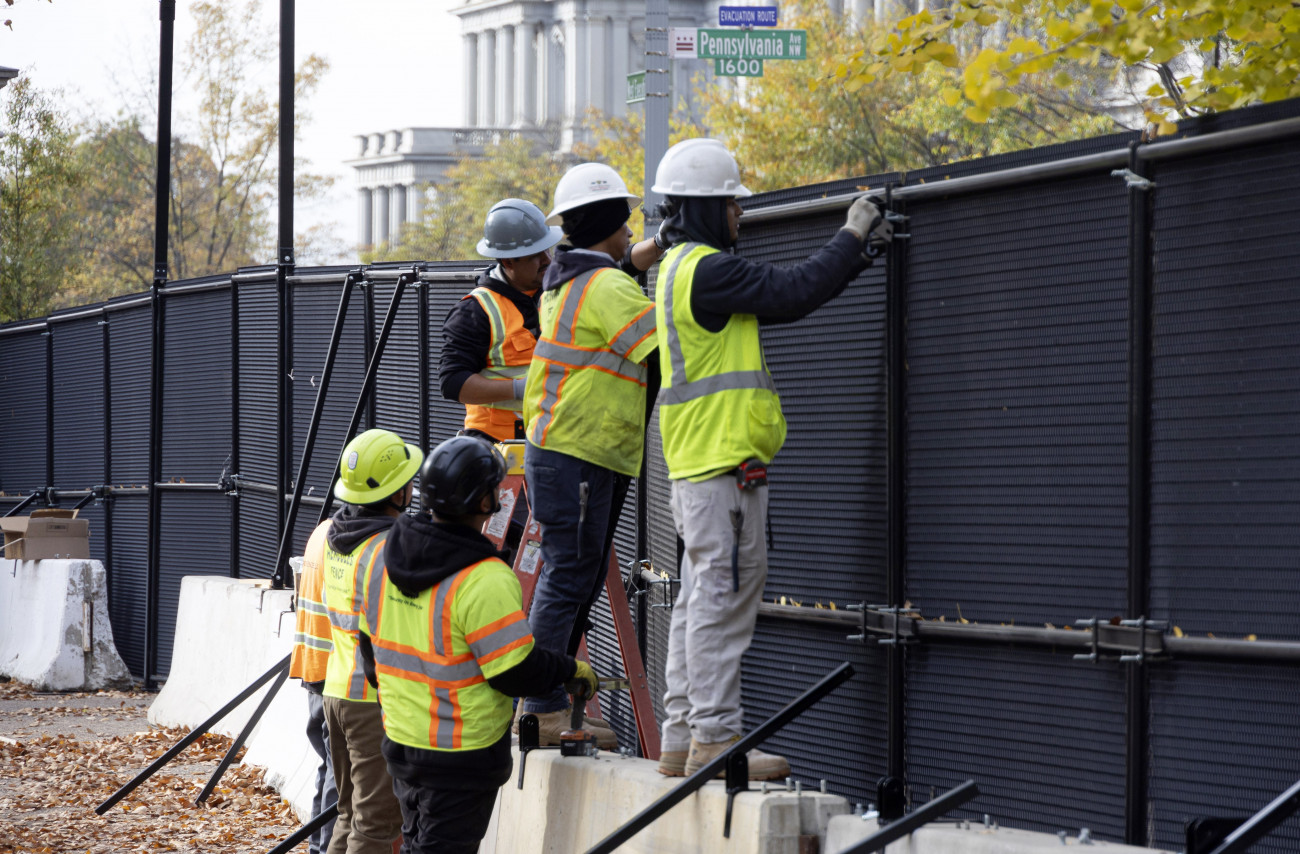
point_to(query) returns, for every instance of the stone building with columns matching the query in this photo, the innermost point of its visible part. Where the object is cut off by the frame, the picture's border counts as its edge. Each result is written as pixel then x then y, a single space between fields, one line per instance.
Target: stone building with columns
pixel 532 67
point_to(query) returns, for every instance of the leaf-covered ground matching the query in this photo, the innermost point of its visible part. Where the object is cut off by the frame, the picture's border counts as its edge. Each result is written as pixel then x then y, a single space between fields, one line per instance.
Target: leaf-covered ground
pixel 61 755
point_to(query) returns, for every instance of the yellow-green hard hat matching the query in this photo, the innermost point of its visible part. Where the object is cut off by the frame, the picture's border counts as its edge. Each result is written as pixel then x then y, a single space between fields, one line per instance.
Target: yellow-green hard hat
pixel 375 465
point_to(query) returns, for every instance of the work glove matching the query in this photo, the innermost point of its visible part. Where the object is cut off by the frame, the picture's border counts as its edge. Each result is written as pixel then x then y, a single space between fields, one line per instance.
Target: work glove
pixel 866 220
pixel 583 682
pixel 518 384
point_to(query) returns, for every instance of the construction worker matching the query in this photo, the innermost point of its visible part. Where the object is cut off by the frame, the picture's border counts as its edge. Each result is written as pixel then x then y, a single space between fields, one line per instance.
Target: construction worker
pixel 488 336
pixel 585 406
pixel 446 693
pixel 375 483
pixel 308 660
pixel 721 422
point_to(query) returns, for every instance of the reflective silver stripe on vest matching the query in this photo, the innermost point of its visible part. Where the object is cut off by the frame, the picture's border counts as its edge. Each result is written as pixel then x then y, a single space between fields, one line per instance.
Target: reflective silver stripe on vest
pixel 346 622
pixel 357 684
pixel 716 383
pixel 366 554
pixel 496 355
pixel 630 337
pixel 447 722
pixel 313 642
pixel 554 374
pixel 574 358
pixel 312 607
pixel 683 390
pixel 503 636
pixel 409 662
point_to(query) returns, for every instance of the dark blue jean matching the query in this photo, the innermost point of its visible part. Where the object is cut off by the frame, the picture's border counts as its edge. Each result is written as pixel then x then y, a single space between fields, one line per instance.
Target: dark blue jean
pixel 325 794
pixel 576 535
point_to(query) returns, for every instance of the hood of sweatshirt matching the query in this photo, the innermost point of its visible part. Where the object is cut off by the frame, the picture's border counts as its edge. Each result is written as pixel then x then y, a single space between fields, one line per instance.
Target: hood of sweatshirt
pixel 570 263
pixel 697 220
pixel 351 525
pixel 421 552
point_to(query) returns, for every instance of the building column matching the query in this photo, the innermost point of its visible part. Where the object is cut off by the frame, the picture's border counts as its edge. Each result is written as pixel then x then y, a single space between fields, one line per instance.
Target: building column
pixel 365 213
pixel 471 79
pixel 396 212
pixel 622 64
pixel 487 81
pixel 380 218
pixel 414 202
pixel 575 89
pixel 598 85
pixel 525 73
pixel 505 76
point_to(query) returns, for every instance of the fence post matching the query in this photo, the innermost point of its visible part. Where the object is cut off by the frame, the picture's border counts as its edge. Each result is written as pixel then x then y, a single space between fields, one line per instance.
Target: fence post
pixel 895 496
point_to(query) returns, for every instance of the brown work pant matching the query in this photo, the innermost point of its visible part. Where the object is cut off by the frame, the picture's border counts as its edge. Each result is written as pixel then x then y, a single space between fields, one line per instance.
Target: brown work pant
pixel 370 817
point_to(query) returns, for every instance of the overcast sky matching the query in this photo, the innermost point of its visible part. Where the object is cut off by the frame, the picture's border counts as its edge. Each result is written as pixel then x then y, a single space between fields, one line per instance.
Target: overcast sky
pixel 393 64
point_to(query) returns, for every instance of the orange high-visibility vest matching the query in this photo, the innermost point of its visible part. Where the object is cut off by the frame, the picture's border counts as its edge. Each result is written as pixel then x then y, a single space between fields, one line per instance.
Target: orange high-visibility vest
pixel 312 640
pixel 508 357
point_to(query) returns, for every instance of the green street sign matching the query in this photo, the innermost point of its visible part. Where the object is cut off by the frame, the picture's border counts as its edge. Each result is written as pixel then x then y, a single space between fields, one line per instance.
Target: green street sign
pixel 738 67
pixel 751 44
pixel 636 87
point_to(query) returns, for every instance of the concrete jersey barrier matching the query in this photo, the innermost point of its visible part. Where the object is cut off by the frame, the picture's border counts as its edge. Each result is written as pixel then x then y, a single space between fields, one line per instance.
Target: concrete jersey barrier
pixel 228 632
pixel 55 633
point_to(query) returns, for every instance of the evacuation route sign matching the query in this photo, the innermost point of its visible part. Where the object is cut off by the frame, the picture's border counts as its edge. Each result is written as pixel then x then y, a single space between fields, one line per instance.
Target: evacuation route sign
pixel 750 44
pixel 747 16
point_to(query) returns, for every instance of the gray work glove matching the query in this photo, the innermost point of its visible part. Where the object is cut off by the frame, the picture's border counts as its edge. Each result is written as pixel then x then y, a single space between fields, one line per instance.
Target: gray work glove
pixel 867 221
pixel 519 383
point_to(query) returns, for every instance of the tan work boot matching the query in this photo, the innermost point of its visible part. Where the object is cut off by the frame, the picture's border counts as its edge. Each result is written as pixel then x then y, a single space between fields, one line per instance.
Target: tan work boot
pixel 762 766
pixel 551 724
pixel 672 763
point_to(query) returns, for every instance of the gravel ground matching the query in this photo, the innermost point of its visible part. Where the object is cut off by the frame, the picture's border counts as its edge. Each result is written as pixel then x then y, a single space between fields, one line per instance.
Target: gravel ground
pixel 61 755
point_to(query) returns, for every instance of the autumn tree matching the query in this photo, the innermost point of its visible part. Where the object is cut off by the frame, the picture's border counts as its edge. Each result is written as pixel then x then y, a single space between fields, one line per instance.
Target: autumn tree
pixel 39 174
pixel 1196 56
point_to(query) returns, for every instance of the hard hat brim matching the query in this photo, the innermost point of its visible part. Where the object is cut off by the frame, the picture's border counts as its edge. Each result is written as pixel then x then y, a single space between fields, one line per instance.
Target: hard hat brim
pixel 557 215
pixel 738 192
pixel 369 496
pixel 553 237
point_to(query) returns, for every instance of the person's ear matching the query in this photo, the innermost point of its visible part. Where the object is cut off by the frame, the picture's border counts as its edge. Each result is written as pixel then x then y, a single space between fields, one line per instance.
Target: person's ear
pixel 485 503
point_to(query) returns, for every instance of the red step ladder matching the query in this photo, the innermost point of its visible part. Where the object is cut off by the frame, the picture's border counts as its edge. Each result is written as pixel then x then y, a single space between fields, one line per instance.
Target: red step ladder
pixel 528 566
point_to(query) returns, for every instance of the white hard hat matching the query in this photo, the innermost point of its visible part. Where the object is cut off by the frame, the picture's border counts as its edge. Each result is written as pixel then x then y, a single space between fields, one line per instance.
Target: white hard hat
pixel 699 167
pixel 587 183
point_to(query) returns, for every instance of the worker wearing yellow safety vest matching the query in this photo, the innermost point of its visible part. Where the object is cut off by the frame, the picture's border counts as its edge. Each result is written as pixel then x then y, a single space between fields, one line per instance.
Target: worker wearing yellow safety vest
pixel 586 411
pixel 447 644
pixel 308 661
pixel 721 422
pixel 375 482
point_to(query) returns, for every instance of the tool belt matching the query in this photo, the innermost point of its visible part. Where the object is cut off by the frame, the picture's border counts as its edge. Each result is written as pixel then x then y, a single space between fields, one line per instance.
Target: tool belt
pixel 751 474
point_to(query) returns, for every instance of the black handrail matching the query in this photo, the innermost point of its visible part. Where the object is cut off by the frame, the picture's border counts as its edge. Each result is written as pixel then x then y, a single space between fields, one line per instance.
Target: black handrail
pixel 696 781
pixel 940 806
pixel 1261 823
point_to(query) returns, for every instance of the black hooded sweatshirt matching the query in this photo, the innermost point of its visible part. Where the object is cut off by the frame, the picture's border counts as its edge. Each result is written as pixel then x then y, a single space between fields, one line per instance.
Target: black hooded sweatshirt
pixel 726 284
pixel 419 554
pixel 467 333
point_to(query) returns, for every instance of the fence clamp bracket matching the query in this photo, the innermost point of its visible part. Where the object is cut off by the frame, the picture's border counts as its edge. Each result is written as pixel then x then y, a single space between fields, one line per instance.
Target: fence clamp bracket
pixel 1133 180
pixel 1130 641
pixel 898 623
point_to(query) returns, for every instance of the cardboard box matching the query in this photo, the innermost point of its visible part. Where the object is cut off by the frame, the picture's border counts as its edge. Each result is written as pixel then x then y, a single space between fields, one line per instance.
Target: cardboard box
pixel 46 534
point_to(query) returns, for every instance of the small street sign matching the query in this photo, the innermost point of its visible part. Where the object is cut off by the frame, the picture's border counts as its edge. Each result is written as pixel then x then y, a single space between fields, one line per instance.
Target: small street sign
pixel 750 44
pixel 747 16
pixel 681 43
pixel 738 67
pixel 636 87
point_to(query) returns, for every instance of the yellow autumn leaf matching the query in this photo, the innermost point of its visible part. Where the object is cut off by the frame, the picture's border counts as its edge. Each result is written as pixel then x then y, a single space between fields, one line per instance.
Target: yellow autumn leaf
pixel 1178 632
pixel 950 96
pixel 977 114
pixel 1165 128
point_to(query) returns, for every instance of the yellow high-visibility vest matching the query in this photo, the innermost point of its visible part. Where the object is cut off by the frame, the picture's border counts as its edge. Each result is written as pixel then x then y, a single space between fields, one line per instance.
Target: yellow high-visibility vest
pixel 435 652
pixel 345 677
pixel 718 405
pixel 586 386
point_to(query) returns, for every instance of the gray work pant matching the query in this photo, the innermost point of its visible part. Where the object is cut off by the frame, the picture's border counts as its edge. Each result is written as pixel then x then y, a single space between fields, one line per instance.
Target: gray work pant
pixel 712 624
pixel 326 794
pixel 370 817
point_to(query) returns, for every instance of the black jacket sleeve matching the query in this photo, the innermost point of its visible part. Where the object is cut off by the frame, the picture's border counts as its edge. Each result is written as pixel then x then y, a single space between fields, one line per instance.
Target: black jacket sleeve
pixel 541 671
pixel 728 284
pixel 367 659
pixel 466 337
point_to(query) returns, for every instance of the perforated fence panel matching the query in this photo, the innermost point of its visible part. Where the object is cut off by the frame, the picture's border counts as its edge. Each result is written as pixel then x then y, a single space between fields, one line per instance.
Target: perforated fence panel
pixel 196 387
pixel 79 430
pixel 129 361
pixel 128 578
pixel 22 413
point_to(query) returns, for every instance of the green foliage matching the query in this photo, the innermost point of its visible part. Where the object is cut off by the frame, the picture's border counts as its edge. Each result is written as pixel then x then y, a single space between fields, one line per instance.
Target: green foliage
pixel 1197 55
pixel 39 176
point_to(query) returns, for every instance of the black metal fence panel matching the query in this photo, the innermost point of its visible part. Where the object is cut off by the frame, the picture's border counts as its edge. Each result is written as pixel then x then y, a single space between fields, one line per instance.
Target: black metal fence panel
pixel 193 540
pixel 79 428
pixel 128 367
pixel 258 406
pixel 23 377
pixel 197 406
pixel 128 563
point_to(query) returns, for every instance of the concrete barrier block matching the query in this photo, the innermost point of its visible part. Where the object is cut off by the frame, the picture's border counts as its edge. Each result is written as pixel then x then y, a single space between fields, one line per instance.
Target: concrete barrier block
pixel 55 633
pixel 966 838
pixel 228 632
pixel 569 804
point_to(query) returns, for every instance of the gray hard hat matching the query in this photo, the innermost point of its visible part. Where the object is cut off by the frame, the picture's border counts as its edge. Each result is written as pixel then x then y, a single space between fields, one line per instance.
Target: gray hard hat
pixel 515 228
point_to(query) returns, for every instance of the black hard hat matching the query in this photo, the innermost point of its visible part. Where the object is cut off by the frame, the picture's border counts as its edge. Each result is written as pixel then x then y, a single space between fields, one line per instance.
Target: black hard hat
pixel 458 473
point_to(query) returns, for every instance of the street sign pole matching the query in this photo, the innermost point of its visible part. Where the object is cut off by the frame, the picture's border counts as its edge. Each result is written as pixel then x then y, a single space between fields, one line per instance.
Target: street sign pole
pixel 657 103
